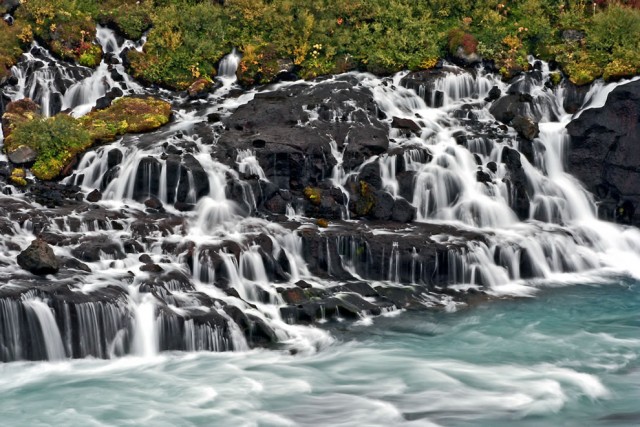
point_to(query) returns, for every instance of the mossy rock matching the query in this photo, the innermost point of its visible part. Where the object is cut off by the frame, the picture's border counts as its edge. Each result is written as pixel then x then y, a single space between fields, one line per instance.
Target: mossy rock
pixel 555 78
pixel 91 57
pixel 619 69
pixel 125 115
pixel 200 87
pixel 18 112
pixel 18 177
pixel 60 139
pixel 57 140
pixel 313 194
pixel 323 223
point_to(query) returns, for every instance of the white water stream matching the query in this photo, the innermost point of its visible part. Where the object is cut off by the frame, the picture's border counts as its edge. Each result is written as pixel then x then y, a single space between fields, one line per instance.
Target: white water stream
pixel 562 234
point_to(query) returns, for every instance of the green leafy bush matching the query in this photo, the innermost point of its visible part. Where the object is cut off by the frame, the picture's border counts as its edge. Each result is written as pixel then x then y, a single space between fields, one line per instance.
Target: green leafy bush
pixel 57 141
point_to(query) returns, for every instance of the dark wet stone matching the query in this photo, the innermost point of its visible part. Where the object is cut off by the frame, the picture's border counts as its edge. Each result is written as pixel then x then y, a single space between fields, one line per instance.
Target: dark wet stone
pixel 39 258
pixel 23 155
pixel 94 196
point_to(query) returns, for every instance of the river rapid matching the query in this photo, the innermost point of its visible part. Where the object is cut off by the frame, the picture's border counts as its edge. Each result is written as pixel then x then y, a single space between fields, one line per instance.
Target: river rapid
pixel 568 356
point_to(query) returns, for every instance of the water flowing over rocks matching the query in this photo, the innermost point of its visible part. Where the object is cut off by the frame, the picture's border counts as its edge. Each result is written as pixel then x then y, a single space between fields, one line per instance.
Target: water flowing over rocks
pixel 257 210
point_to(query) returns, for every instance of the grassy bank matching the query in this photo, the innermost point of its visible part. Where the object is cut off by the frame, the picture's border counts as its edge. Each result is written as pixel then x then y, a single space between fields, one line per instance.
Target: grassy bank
pixel 187 38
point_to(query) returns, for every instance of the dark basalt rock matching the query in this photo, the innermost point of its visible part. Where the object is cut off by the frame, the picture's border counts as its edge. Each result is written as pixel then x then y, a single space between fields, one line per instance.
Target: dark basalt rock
pixel 508 107
pixel 368 251
pixel 403 211
pixel 574 96
pixel 400 123
pixel 39 258
pixel 94 196
pixel 93 248
pixel 493 94
pixel 605 153
pixel 517 180
pixel 294 153
pixel 23 155
pixel 526 127
pixel 482 176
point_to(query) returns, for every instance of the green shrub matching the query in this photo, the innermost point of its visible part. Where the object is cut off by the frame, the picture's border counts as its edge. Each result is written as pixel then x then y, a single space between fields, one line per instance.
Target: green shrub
pixel 67 30
pixel 57 140
pixel 13 38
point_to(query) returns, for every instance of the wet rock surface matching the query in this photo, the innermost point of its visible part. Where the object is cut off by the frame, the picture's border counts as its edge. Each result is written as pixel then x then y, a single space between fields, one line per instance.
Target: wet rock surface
pixel 605 153
pixel 38 258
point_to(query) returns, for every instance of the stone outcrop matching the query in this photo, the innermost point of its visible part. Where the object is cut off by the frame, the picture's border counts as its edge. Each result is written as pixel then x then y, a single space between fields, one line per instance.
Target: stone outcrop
pixel 605 153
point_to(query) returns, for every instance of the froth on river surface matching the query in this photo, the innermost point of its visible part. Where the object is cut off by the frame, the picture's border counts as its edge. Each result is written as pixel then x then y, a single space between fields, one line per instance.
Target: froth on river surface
pixel 568 357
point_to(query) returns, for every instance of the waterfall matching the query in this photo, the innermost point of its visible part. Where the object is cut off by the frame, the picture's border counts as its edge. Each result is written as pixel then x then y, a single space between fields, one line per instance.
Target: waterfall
pixel 206 267
pixel 228 65
pixel 48 327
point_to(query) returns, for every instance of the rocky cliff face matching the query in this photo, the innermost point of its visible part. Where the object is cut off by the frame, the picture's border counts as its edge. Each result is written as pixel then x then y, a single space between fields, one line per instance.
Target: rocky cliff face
pixel 605 153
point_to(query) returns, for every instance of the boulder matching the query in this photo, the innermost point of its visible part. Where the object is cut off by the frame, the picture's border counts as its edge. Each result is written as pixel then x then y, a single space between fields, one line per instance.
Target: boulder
pixel 493 94
pixel 604 153
pixel 39 258
pixel 17 112
pixel 23 155
pixel 408 124
pixel 403 211
pixel 94 196
pixel 526 127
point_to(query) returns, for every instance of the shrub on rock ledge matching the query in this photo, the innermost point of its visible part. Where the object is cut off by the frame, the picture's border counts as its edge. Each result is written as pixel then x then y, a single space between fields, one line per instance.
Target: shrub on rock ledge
pixel 60 139
pixel 57 141
pixel 129 114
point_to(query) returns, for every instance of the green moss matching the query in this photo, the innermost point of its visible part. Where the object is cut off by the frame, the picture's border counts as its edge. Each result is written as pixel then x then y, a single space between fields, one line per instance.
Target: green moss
pixel 91 57
pixel 131 19
pixel 187 38
pixel 313 194
pixel 17 177
pixel 128 114
pixel 13 38
pixel 63 26
pixel 57 141
pixel 555 78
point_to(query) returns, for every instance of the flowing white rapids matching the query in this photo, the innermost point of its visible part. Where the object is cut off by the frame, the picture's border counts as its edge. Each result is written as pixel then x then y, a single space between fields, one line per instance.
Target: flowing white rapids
pixel 446 188
pixel 561 235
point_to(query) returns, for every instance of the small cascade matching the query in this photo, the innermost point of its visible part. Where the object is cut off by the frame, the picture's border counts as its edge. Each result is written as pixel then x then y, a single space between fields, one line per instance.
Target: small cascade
pixel 44 79
pixel 228 65
pixel 48 327
pixel 57 86
pixel 107 78
pixel 248 164
pixel 145 341
pixel 458 85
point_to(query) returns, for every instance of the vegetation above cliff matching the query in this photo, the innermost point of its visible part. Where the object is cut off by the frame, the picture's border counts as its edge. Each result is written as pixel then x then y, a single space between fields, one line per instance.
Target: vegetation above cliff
pixel 187 38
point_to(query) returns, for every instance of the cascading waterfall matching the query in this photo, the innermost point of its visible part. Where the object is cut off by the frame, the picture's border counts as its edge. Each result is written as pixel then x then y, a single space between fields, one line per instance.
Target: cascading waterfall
pixel 223 288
